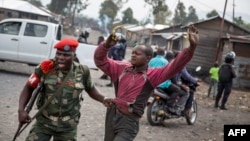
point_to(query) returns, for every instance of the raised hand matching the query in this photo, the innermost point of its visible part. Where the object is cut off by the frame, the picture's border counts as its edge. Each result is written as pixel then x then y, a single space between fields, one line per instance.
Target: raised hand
pixel 193 36
pixel 111 41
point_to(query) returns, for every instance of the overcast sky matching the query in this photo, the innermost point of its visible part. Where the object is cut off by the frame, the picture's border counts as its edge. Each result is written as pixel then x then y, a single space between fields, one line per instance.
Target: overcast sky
pixel 202 8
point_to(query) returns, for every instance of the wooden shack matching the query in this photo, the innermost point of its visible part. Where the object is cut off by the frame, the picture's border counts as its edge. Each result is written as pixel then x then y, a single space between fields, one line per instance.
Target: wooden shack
pixel 241 46
pixel 170 37
pixel 207 50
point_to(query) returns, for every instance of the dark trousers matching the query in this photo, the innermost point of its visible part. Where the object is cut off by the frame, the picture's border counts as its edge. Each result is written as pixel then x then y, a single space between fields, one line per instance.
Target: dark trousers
pixel 120 127
pixel 225 89
pixel 190 100
pixel 174 92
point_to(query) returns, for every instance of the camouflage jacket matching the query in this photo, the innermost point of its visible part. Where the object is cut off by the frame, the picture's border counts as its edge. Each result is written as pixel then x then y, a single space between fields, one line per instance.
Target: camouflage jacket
pixel 64 109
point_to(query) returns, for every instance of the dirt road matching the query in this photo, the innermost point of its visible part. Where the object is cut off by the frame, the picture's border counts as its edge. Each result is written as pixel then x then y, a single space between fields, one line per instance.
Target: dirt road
pixel 208 127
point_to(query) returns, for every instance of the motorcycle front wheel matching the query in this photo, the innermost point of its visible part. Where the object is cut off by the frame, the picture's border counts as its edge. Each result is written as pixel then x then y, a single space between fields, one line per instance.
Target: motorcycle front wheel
pixel 191 118
pixel 155 112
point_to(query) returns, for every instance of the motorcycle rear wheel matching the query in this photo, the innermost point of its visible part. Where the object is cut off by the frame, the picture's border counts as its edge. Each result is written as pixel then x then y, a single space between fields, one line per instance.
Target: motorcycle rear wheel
pixel 153 110
pixel 192 114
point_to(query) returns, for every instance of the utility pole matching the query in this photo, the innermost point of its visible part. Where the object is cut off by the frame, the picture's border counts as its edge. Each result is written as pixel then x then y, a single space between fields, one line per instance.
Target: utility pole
pixel 221 29
pixel 233 11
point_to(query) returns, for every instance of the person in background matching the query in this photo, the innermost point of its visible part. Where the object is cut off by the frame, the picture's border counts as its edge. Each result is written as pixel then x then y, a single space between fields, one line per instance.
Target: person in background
pixel 134 81
pixel 83 37
pixel 167 86
pixel 154 47
pixel 186 96
pixel 157 62
pixel 184 78
pixel 100 40
pixel 61 116
pixel 135 43
pixel 226 75
pixel 214 77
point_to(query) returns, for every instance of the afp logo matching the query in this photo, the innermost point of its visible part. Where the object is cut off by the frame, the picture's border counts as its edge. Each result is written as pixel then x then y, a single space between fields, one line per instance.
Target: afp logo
pixel 236 132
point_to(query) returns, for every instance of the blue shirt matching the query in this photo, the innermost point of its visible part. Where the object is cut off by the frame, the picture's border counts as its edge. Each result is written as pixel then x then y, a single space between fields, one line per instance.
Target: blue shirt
pixel 184 73
pixel 117 52
pixel 157 62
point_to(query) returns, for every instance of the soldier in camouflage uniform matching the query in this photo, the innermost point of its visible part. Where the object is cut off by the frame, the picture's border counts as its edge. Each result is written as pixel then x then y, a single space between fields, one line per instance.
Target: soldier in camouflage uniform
pixel 60 118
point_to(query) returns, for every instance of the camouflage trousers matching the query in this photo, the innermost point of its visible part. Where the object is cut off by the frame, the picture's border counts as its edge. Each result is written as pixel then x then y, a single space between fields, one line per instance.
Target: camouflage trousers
pixel 42 132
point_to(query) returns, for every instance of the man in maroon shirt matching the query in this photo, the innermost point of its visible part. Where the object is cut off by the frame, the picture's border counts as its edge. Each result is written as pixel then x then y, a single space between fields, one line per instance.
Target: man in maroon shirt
pixel 134 81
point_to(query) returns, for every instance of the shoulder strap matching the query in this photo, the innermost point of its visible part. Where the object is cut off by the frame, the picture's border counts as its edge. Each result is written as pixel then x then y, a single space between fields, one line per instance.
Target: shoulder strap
pixel 49 100
pixel 54 95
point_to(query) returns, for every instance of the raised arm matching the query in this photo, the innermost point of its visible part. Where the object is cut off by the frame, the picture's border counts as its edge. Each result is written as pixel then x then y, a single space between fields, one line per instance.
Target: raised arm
pixel 107 65
pixel 175 66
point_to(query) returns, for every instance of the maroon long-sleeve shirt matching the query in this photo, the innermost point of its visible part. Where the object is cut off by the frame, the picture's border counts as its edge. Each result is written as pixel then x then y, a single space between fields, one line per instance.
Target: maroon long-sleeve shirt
pixel 133 88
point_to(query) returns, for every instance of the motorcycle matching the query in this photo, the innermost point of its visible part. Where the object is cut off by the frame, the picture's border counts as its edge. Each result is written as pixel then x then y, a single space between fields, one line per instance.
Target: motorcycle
pixel 157 111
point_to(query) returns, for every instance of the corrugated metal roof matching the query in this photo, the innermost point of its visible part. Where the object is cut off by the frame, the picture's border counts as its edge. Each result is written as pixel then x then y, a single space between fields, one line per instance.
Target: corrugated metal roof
pixel 173 36
pixel 24 6
pixel 145 27
pixel 237 38
pixel 215 17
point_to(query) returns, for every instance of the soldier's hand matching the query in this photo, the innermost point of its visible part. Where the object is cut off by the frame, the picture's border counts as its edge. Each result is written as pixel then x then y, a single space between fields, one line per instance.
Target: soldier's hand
pixel 23 117
pixel 193 36
pixel 111 41
pixel 107 101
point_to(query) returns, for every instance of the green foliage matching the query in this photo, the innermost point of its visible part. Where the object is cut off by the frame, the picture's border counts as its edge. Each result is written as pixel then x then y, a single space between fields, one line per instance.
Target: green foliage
pixel 35 2
pixel 180 14
pixel 67 7
pixel 239 21
pixel 212 14
pixel 160 11
pixel 107 14
pixel 192 16
pixel 247 26
pixel 128 17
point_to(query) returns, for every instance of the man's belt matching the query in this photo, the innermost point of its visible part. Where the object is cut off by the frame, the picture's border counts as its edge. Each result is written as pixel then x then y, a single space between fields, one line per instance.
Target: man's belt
pixel 125 112
pixel 58 118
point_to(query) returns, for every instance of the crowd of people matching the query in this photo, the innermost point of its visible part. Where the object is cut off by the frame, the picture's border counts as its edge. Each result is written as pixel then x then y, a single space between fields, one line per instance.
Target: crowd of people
pixel 64 80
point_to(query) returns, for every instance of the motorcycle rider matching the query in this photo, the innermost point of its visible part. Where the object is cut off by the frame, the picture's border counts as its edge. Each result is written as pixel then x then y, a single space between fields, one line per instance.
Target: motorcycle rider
pixel 157 62
pixel 183 79
pixel 173 90
pixel 83 37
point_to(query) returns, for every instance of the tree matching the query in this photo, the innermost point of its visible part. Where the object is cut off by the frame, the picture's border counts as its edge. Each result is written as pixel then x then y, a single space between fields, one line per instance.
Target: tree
pixel 35 2
pixel 58 6
pixel 107 14
pixel 160 11
pixel 240 22
pixel 180 14
pixel 212 14
pixel 192 16
pixel 128 17
pixel 67 7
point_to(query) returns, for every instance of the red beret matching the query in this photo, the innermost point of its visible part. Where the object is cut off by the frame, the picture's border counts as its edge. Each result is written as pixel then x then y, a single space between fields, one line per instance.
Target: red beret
pixel 67 45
